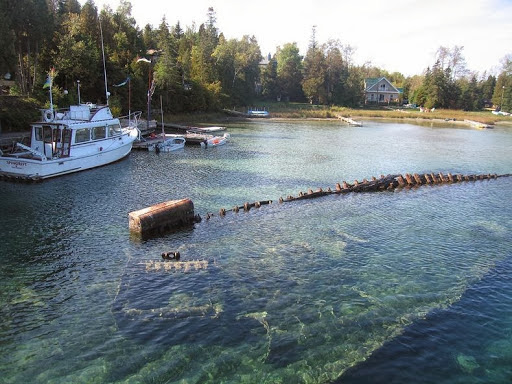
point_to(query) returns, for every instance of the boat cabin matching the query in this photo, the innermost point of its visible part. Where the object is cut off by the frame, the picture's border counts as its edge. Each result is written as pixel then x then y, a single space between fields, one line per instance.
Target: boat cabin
pixel 80 125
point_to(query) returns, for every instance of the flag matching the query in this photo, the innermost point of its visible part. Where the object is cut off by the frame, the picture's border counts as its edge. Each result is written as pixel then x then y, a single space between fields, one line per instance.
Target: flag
pixel 144 60
pixel 48 82
pixel 123 83
pixel 49 79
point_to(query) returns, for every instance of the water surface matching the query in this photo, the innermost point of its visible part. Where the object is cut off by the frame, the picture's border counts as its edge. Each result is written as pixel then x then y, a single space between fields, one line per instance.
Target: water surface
pixel 411 285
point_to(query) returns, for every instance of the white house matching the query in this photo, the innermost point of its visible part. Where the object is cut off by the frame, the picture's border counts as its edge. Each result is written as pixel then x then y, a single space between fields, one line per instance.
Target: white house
pixel 380 90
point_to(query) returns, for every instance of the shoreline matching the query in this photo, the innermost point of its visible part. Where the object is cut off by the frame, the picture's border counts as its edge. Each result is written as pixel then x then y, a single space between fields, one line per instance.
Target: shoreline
pixel 418 120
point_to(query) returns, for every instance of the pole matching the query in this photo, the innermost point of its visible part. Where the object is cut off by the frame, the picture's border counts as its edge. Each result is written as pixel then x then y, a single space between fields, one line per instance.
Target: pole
pixel 51 97
pixel 129 97
pixel 78 84
pixel 149 99
pixel 104 65
pixel 162 113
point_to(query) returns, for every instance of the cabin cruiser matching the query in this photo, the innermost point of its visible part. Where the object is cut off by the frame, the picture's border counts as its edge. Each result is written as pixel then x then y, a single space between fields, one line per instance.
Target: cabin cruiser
pixel 81 137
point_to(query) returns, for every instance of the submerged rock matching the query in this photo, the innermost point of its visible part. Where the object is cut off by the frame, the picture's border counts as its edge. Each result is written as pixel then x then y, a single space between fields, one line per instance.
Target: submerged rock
pixel 467 363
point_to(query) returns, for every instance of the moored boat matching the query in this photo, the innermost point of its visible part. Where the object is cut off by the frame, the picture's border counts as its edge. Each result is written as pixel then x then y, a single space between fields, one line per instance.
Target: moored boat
pixel 217 140
pixel 258 113
pixel 170 143
pixel 65 141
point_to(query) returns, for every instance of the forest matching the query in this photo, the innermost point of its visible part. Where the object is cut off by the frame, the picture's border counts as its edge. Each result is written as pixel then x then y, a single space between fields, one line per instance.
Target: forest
pixel 196 69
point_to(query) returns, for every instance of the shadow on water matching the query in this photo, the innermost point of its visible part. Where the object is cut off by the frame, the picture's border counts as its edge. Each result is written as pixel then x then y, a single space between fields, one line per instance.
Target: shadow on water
pixel 468 342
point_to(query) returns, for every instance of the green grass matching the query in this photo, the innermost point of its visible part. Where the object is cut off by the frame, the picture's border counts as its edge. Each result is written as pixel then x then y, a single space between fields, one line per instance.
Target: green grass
pixel 305 111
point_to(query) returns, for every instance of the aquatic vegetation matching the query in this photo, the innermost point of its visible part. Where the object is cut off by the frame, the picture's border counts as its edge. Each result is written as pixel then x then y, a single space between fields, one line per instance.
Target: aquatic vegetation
pixel 467 363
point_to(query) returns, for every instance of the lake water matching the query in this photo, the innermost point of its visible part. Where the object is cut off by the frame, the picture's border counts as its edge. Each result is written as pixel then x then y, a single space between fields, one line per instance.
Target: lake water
pixel 405 286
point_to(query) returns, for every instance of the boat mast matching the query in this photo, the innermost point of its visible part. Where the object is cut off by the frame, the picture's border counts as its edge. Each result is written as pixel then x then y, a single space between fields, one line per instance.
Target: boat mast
pixel 104 66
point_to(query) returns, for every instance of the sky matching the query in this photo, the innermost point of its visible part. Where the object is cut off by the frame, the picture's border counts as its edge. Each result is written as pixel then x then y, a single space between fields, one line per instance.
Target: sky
pixel 398 36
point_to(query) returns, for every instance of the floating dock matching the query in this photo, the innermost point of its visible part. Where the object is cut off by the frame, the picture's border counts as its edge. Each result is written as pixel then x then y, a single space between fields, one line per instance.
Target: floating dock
pixel 349 121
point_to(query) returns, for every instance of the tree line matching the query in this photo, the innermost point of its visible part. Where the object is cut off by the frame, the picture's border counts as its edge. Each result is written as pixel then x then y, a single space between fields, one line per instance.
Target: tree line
pixel 198 69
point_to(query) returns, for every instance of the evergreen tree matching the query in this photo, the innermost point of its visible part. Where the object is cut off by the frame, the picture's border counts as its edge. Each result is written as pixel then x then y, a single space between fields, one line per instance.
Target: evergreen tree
pixel 269 80
pixel 315 72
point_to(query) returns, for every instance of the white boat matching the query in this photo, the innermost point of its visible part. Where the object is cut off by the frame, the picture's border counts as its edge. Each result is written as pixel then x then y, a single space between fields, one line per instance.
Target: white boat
pixel 82 137
pixel 217 140
pixel 171 143
pixel 500 113
pixel 258 113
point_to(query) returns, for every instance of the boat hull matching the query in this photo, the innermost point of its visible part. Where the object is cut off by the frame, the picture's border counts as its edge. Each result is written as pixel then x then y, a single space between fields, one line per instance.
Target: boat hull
pixel 34 169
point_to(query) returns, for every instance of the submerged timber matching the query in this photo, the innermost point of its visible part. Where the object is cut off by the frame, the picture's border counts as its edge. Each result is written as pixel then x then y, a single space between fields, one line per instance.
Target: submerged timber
pixel 382 184
pixel 179 213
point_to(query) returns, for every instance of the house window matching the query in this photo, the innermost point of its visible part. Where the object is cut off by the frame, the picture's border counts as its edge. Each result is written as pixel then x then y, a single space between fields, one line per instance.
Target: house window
pixel 372 96
pixel 382 87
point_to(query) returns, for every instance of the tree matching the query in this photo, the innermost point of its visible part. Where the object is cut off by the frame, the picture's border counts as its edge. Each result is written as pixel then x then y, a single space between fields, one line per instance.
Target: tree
pixel 7 40
pixel 502 96
pixel 487 87
pixel 30 23
pixel 336 72
pixel 452 58
pixel 268 77
pixel 315 71
pixel 79 56
pixel 470 97
pixel 237 63
pixel 289 72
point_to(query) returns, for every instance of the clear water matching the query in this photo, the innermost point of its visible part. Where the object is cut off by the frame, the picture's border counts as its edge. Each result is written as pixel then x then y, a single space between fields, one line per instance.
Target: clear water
pixel 405 286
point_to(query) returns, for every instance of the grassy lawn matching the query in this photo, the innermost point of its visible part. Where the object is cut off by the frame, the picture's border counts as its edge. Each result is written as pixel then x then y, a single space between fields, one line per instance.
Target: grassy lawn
pixel 303 110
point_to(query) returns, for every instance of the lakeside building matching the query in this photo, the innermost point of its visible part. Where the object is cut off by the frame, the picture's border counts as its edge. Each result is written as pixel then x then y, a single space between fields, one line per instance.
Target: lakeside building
pixel 380 91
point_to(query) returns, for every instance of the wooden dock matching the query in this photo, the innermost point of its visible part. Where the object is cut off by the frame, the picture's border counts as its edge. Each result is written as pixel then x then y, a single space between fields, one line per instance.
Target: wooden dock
pixel 190 139
pixel 349 121
pixel 477 124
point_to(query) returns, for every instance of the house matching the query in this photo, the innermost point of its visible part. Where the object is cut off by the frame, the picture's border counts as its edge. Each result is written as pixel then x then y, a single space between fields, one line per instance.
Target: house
pixel 380 91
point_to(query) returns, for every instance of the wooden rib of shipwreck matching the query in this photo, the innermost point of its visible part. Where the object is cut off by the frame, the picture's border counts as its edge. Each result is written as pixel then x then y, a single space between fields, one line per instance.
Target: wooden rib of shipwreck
pixel 392 182
pixel 384 183
pixel 178 213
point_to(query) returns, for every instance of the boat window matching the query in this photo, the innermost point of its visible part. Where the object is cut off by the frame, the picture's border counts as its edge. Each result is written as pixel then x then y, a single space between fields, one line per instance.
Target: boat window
pixel 38 133
pixel 66 140
pixel 114 129
pixel 99 132
pixel 47 133
pixel 82 135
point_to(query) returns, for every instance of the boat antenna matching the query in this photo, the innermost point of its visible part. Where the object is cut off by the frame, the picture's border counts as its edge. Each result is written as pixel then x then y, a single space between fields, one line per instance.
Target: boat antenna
pixel 104 66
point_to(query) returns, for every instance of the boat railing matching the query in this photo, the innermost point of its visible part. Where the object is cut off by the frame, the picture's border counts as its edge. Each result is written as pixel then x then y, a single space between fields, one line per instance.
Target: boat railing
pixel 131 121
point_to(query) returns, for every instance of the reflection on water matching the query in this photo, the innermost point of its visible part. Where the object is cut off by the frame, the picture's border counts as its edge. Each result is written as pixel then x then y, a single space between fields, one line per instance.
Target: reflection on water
pixel 295 292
